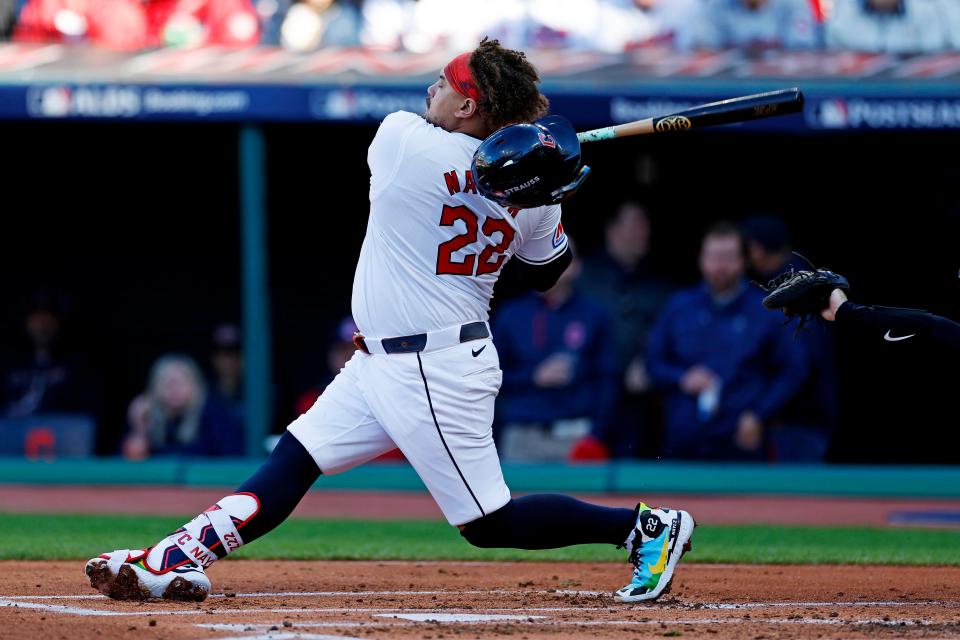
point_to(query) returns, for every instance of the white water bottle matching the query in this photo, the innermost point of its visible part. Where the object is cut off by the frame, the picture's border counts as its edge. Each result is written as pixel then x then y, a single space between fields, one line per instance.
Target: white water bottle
pixel 708 401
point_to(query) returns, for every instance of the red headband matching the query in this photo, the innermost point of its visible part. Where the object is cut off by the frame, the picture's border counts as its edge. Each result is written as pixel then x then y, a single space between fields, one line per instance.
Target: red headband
pixel 458 74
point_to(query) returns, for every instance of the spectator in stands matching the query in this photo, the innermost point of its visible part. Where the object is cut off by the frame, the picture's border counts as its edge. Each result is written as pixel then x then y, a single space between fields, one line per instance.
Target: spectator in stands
pixel 623 278
pixel 672 22
pixel 894 26
pixel 558 358
pixel 227 362
pixel 757 25
pixel 339 352
pixel 725 367
pixel 177 416
pixel 385 22
pixel 595 25
pixel 456 26
pixel 803 428
pixel 134 24
pixel 44 377
pixel 609 26
pixel 310 24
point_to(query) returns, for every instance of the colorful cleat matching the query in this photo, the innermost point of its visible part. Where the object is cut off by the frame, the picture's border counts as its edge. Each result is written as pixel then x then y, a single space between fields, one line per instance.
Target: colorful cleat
pixel 125 575
pixel 658 541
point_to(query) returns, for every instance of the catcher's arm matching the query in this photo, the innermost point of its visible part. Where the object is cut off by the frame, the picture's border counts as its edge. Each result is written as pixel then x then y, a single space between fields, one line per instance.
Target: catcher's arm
pixel 806 294
pixel 889 324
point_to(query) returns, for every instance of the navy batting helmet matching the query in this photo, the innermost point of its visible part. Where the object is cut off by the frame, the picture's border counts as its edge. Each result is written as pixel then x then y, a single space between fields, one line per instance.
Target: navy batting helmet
pixel 530 165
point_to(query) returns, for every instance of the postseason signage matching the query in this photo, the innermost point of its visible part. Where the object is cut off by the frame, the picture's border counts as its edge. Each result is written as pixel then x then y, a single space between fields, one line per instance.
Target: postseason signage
pixel 270 103
pixel 844 91
pixel 124 102
pixel 884 113
pixel 212 103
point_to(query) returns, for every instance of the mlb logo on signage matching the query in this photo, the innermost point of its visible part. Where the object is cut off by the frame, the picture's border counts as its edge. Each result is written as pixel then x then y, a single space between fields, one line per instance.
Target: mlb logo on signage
pixel 558 236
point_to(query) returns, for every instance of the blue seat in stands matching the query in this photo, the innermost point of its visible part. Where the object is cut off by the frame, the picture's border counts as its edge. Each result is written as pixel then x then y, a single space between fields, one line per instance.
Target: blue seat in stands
pixel 48 436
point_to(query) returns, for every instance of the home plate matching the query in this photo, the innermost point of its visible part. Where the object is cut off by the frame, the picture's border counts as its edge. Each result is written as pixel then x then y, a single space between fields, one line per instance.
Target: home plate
pixel 455 617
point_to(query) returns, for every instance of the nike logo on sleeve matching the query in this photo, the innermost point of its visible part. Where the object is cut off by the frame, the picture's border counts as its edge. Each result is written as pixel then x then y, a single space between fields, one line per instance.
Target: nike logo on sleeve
pixel 890 338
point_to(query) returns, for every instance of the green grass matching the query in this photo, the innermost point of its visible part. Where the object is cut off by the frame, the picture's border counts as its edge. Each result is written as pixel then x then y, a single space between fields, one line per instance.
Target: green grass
pixel 77 537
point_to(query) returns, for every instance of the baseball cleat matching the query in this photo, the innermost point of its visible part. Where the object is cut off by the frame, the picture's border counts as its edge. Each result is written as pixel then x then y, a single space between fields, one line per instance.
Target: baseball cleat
pixel 658 541
pixel 124 575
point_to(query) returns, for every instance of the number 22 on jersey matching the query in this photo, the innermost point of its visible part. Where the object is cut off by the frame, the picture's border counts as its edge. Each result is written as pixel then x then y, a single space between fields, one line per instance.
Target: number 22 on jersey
pixel 472 264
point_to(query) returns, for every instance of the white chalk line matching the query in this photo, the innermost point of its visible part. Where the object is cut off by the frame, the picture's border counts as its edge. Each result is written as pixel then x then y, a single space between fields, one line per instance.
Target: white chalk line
pixel 237 626
pixel 848 603
pixel 400 617
pixel 329 594
pixel 64 609
pixel 29 602
pixel 84 612
pixel 459 617
pixel 395 617
pixel 558 592
pixel 292 636
pixel 402 622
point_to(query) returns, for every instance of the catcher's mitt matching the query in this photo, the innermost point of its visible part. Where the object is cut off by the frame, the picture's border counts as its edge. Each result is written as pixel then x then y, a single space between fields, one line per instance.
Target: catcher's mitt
pixel 803 293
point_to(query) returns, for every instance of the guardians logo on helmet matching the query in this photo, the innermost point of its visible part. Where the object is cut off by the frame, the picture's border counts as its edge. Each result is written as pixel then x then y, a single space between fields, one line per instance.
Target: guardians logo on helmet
pixel 530 164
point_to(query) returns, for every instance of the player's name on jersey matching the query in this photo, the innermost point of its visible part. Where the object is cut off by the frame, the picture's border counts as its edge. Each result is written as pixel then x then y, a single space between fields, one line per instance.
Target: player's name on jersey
pixel 467 185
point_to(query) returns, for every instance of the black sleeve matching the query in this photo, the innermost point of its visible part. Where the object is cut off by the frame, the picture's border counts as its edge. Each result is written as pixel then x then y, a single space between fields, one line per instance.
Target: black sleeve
pixel 543 276
pixel 892 324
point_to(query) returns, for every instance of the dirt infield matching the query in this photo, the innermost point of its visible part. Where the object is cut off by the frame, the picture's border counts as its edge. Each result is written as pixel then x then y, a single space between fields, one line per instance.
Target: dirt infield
pixel 315 600
pixel 797 510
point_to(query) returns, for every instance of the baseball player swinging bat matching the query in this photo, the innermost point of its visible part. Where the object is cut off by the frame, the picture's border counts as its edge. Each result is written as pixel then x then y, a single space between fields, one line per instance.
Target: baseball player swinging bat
pixel 743 109
pixel 426 373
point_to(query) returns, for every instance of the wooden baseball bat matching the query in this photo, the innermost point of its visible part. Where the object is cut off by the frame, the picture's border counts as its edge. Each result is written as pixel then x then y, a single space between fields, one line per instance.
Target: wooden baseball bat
pixel 755 107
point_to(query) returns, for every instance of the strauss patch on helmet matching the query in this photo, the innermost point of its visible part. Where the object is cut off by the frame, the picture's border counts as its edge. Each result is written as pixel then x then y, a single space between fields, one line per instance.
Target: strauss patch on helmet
pixel 520 187
pixel 530 164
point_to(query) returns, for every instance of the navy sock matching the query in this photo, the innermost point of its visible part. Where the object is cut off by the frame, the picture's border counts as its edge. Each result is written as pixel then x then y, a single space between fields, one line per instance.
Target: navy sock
pixel 549 521
pixel 277 487
pixel 280 484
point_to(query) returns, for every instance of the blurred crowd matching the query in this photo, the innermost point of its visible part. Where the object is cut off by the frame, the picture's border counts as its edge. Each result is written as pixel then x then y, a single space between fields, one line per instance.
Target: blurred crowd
pixel 51 404
pixel 607 26
pixel 615 361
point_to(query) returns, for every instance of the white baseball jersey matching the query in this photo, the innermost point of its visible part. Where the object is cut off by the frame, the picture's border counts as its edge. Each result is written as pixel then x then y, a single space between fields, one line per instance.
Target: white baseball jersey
pixel 433 251
pixel 434 246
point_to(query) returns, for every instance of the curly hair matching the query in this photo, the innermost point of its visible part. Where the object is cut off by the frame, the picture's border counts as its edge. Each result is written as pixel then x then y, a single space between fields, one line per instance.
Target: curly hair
pixel 508 85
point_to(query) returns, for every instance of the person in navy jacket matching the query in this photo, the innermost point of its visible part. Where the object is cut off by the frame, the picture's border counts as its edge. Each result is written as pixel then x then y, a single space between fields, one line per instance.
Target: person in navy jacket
pixel 723 364
pixel 559 360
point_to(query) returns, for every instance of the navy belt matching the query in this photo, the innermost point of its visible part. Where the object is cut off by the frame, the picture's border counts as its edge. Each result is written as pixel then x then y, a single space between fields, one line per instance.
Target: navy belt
pixel 418 342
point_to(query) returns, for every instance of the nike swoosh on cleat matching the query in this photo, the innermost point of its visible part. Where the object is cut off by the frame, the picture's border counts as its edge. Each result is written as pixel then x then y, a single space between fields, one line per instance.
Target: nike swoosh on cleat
pixel 478 351
pixel 662 562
